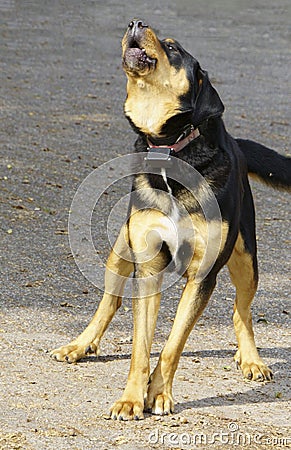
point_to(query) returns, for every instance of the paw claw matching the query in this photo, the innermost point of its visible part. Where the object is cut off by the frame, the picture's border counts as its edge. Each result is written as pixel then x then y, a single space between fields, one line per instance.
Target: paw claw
pixel 127 410
pixel 270 376
pixel 256 371
pixel 74 351
pixel 91 349
pixel 161 404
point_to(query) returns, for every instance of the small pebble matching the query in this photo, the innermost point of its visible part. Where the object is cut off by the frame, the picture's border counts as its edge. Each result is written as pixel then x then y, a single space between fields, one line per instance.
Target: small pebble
pixel 184 420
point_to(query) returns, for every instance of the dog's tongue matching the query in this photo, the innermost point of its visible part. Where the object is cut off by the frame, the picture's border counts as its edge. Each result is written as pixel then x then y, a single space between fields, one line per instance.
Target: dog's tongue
pixel 137 60
pixel 134 55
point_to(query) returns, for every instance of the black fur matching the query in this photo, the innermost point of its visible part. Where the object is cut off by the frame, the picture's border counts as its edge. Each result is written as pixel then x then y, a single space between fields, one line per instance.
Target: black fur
pixel 271 167
pixel 222 160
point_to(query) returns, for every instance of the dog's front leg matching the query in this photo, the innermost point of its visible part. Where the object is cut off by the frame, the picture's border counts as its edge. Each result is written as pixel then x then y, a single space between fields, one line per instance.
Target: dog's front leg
pixel 193 301
pixel 145 310
pixel 118 268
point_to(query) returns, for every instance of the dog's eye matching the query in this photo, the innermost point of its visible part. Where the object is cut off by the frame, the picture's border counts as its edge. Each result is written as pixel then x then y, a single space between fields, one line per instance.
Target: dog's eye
pixel 172 48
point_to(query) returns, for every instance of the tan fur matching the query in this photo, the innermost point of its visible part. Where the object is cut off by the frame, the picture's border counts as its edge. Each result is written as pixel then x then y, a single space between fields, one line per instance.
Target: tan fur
pixel 159 396
pixel 241 270
pixel 149 114
pixel 153 97
pixel 210 239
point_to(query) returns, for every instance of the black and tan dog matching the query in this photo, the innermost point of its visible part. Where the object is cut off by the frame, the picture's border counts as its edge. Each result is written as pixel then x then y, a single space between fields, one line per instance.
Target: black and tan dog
pixel 174 109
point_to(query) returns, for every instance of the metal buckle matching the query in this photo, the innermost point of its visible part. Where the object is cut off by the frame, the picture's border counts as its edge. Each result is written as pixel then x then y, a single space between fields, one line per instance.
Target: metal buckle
pixel 159 157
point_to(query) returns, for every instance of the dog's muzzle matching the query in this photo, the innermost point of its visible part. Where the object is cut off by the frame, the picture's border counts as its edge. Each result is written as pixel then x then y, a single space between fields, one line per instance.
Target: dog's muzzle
pixel 135 57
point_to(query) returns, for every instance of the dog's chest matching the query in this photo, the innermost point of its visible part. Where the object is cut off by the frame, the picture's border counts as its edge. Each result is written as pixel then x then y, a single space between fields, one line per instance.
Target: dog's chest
pixel 160 218
pixel 171 225
pixel 194 237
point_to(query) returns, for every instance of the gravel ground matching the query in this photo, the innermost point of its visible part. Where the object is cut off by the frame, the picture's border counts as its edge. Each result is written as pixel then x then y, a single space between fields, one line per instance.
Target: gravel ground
pixel 62 93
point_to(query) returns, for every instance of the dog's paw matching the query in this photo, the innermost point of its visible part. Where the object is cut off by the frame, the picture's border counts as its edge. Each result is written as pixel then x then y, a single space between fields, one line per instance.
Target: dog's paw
pixel 160 404
pixel 127 410
pixel 159 398
pixel 74 351
pixel 257 371
pixel 254 370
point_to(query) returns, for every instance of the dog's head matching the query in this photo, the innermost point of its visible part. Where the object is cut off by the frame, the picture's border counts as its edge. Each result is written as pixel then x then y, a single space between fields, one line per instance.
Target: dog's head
pixel 166 86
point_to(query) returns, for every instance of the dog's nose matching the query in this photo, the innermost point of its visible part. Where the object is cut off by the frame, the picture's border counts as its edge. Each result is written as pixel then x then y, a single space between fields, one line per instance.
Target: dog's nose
pixel 137 24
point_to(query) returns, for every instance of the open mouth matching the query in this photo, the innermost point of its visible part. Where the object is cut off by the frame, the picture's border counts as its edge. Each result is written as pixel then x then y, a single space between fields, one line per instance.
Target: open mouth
pixel 135 58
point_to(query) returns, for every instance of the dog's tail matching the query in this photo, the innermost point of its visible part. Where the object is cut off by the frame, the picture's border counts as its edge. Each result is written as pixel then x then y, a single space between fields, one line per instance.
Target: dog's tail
pixel 267 165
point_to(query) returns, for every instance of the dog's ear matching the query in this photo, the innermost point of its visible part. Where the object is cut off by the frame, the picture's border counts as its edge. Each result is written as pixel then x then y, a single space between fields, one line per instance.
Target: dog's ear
pixel 207 102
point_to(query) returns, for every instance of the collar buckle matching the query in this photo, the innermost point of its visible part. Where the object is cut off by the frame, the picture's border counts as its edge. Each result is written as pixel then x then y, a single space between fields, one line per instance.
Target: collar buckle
pixel 159 157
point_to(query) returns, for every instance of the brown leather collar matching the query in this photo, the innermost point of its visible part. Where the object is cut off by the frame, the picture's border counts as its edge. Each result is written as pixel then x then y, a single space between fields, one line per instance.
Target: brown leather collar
pixel 178 146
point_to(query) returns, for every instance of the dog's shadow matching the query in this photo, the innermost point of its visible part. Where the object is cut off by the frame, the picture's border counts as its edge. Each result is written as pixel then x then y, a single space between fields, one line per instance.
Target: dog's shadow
pixel 253 395
pixel 258 391
pixel 278 352
pixel 197 354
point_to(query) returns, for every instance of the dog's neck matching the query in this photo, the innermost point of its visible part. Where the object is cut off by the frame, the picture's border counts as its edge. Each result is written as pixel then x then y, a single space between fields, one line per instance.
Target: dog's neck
pixel 187 135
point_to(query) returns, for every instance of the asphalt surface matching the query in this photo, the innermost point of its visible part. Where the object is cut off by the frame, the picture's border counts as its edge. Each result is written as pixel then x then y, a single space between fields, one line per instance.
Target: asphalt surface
pixel 62 91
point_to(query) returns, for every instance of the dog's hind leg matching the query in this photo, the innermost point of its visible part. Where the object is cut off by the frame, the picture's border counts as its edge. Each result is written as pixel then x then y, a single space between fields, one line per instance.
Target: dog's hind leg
pixel 118 268
pixel 242 266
